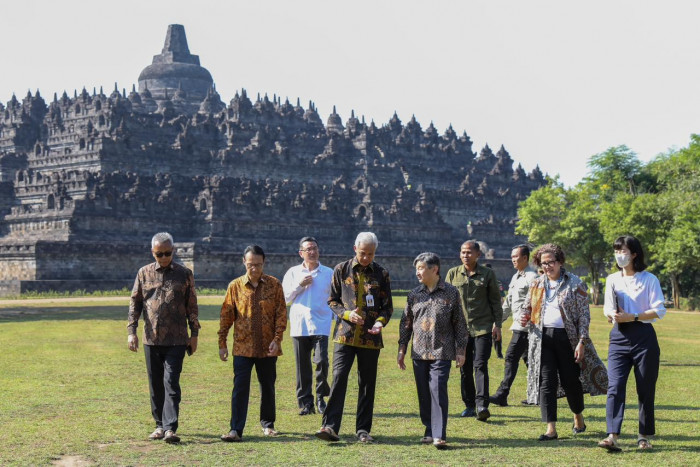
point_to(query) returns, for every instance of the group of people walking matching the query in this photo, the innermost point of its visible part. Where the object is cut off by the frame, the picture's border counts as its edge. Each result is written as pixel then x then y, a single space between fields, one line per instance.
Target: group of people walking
pixel 455 317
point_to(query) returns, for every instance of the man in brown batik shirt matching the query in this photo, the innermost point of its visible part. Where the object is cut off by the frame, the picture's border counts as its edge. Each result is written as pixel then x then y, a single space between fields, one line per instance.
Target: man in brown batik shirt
pixel 254 305
pixel 164 294
pixel 361 300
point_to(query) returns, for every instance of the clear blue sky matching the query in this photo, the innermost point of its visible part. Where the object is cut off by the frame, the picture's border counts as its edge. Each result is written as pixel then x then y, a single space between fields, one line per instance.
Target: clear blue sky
pixel 553 81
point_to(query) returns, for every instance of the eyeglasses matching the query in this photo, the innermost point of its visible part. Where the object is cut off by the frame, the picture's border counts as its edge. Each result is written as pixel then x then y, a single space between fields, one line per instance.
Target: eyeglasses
pixel 310 250
pixel 547 264
pixel 160 254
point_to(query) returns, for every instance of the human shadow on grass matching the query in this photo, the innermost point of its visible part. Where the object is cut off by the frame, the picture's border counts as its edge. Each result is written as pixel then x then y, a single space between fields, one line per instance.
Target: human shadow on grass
pixel 94 312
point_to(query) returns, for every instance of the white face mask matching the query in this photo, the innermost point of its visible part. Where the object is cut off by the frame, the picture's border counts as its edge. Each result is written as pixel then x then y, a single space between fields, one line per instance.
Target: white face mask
pixel 623 259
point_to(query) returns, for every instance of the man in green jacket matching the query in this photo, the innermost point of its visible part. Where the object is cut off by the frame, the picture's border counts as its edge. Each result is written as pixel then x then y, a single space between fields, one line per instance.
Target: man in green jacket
pixel 481 302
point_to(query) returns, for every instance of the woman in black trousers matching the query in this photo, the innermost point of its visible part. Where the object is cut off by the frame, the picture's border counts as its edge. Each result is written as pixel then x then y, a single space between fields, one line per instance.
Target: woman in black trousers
pixel 633 300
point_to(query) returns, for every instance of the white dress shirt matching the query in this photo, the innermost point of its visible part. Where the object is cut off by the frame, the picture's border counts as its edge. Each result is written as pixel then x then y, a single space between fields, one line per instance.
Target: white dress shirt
pixel 635 294
pixel 517 290
pixel 309 314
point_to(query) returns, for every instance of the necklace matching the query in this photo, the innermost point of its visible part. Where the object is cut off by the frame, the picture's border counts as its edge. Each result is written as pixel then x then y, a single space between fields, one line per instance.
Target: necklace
pixel 559 282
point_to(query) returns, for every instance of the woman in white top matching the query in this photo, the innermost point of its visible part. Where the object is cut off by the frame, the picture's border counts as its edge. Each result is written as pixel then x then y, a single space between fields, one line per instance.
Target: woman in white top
pixel 633 300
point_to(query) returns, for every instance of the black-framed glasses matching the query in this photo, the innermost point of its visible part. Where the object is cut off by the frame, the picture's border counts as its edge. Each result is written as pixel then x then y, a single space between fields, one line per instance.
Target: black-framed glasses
pixel 546 264
pixel 160 254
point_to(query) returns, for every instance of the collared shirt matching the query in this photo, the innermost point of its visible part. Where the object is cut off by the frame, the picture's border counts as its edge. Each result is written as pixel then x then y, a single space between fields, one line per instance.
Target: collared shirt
pixel 436 321
pixel 258 316
pixel 517 291
pixel 168 301
pixel 481 298
pixel 635 294
pixel 309 314
pixel 351 286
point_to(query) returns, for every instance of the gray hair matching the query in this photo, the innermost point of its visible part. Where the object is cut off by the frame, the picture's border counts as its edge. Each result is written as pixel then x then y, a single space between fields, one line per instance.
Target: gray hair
pixel 162 237
pixel 430 260
pixel 366 238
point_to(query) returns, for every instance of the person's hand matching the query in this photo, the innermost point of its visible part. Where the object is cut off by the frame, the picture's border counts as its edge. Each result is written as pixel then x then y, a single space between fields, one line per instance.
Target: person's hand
pixel 133 342
pixel 460 361
pixel 622 317
pixel 400 360
pixel 193 344
pixel 496 333
pixel 355 318
pixel 223 354
pixel 524 319
pixel 579 352
pixel 306 280
pixel 273 349
pixel 376 329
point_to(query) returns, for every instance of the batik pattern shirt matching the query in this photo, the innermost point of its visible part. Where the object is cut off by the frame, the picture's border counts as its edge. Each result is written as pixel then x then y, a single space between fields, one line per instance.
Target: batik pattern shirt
pixel 436 321
pixel 258 316
pixel 167 299
pixel 351 286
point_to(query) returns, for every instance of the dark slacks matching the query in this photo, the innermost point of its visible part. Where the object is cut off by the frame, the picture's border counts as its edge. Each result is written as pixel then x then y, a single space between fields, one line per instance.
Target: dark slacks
pixel 164 365
pixel 303 348
pixel 431 383
pixel 558 364
pixel 266 369
pixel 476 365
pixel 632 345
pixel 343 358
pixel 517 349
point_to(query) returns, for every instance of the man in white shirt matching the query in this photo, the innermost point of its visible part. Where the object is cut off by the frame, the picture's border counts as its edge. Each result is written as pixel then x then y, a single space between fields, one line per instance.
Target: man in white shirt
pixel 517 290
pixel 307 288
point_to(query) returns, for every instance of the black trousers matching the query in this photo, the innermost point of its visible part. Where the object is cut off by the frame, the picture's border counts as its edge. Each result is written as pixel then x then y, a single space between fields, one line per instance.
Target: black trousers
pixel 476 365
pixel 164 365
pixel 632 345
pixel 303 348
pixel 558 364
pixel 343 358
pixel 266 369
pixel 517 349
pixel 431 383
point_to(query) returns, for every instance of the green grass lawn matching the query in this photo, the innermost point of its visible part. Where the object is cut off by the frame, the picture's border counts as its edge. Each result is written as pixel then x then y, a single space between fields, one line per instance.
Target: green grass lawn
pixel 72 391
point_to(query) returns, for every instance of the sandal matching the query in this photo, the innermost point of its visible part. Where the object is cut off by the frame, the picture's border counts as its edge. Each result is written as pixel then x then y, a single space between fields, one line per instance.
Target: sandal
pixel 643 444
pixel 327 433
pixel 364 437
pixel 271 432
pixel 232 437
pixel 440 443
pixel 610 444
pixel 426 440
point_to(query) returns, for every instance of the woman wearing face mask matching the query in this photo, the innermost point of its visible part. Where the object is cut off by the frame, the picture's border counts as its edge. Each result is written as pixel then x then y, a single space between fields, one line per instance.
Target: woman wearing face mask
pixel 633 300
pixel 560 351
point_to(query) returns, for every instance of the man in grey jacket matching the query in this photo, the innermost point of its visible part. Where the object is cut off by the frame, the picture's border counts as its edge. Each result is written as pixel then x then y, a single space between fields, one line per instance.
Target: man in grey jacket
pixel 517 290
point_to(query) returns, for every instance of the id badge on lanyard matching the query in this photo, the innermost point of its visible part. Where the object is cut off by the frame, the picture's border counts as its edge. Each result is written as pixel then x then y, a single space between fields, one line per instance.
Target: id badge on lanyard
pixel 369 299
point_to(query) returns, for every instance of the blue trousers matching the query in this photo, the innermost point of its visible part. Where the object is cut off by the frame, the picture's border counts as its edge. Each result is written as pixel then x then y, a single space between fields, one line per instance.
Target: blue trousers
pixel 632 345
pixel 266 369
pixel 431 383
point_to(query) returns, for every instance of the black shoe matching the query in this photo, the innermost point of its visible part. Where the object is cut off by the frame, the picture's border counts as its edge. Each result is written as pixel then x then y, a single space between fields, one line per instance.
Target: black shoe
pixel 547 438
pixel 468 412
pixel 171 438
pixel 501 401
pixel 576 431
pixel 483 414
pixel 525 402
pixel 307 410
pixel 321 404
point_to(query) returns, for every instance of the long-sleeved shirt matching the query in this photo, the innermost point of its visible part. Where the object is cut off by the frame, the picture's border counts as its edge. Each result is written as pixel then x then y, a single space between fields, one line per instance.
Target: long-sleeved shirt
pixel 517 291
pixel 635 294
pixel 481 298
pixel 258 316
pixel 351 286
pixel 309 313
pixel 167 299
pixel 436 321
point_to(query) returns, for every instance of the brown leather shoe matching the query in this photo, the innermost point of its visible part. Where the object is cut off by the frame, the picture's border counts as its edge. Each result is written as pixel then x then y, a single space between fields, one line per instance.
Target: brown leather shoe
pixel 158 434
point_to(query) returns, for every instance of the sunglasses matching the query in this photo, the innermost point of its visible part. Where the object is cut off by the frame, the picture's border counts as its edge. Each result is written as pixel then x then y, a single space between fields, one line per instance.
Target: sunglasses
pixel 160 254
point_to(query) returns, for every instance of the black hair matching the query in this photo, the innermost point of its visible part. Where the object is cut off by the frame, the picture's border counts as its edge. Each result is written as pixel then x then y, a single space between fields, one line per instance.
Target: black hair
pixel 473 243
pixel 307 239
pixel 255 249
pixel 635 246
pixel 524 250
